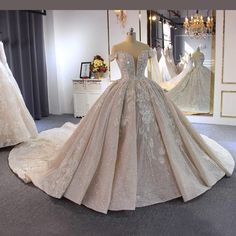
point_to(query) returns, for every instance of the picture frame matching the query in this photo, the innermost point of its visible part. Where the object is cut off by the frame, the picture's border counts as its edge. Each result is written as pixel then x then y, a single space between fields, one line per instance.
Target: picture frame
pixel 85 72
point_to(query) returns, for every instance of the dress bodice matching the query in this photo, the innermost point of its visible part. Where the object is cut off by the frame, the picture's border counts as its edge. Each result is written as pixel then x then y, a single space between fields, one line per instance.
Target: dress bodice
pixel 130 68
pixel 198 58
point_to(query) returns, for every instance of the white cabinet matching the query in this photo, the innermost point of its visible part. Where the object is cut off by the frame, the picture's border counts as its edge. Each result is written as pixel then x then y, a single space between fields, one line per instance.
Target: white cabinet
pixel 80 104
pixel 86 93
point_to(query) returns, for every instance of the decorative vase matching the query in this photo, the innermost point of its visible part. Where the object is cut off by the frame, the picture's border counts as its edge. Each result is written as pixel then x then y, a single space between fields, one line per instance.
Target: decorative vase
pixel 98 75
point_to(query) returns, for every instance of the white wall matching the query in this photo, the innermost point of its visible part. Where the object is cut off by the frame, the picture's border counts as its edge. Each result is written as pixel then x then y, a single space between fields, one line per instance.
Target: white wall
pixel 49 39
pixel 78 35
pixel 75 36
pixel 229 47
pixel 225 86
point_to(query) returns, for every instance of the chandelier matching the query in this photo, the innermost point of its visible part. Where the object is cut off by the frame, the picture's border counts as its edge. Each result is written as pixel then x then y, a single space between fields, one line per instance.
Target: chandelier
pixel 197 28
pixel 121 16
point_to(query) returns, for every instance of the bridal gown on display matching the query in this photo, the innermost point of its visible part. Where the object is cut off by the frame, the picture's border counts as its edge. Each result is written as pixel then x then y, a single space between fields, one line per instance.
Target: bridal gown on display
pixel 167 69
pixel 133 148
pixel 170 59
pixel 180 65
pixel 168 85
pixel 16 123
pixel 193 94
pixel 184 61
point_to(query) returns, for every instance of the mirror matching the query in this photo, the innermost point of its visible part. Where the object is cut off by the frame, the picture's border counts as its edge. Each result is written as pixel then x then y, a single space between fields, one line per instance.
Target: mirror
pixel 185 44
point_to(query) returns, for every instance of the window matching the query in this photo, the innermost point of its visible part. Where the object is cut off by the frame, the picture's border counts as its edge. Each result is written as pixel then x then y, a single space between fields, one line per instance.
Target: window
pixel 166 34
pixel 159 30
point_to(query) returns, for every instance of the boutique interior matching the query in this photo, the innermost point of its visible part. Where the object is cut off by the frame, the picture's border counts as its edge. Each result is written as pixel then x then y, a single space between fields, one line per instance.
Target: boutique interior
pixel 63 66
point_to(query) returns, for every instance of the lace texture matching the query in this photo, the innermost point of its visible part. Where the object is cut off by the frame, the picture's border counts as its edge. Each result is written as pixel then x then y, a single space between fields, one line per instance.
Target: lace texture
pixel 167 66
pixel 133 148
pixel 192 93
pixel 16 123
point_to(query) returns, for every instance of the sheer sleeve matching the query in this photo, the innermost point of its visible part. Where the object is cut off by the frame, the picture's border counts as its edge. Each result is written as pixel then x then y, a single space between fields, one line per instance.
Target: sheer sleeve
pixel 153 67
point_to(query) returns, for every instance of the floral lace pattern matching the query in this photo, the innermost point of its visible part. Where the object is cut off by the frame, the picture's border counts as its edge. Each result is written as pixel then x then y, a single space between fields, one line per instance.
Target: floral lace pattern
pixel 16 123
pixel 192 92
pixel 133 148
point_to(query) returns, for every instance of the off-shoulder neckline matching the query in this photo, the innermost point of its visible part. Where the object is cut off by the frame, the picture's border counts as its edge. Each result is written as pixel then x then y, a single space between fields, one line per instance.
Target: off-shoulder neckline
pixel 130 55
pixel 126 52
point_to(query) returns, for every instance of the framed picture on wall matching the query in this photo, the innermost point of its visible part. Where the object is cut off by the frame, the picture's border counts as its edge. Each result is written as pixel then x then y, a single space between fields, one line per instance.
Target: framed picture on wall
pixel 85 72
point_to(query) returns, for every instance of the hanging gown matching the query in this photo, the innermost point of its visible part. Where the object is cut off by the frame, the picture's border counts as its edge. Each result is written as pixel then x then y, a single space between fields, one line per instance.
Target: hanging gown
pixel 133 148
pixel 158 50
pixel 192 93
pixel 180 65
pixel 168 85
pixel 170 59
pixel 16 123
pixel 184 60
pixel 166 67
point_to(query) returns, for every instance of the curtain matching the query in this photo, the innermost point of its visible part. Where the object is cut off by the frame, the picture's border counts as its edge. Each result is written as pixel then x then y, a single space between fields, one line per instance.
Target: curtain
pixel 22 36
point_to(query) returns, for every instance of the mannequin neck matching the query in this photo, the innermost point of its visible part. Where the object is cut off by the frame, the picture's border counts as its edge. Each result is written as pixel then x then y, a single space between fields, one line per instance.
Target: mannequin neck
pixel 131 38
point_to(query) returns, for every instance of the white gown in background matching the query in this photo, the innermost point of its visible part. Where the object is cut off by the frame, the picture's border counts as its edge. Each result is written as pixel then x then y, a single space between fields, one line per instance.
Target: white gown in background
pixel 159 54
pixel 180 65
pixel 184 60
pixel 192 93
pixel 168 85
pixel 170 59
pixel 133 148
pixel 16 123
pixel 166 66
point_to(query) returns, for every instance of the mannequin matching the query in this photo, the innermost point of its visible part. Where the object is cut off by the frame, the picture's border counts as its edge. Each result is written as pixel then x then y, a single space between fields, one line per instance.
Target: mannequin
pixel 133 148
pixel 130 45
pixel 197 52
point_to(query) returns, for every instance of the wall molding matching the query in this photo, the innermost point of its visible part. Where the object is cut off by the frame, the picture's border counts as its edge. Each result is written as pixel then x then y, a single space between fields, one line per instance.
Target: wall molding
pixel 221 103
pixel 223 53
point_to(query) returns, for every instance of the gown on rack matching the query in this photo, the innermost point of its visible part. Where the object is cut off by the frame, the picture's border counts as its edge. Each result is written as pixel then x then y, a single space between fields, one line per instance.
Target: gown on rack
pixel 168 85
pixel 180 66
pixel 193 94
pixel 16 123
pixel 133 148
pixel 170 59
pixel 166 66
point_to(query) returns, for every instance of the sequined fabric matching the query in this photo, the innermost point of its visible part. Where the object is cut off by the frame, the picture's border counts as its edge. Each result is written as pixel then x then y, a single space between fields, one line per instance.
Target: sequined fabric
pixel 133 148
pixel 192 92
pixel 16 123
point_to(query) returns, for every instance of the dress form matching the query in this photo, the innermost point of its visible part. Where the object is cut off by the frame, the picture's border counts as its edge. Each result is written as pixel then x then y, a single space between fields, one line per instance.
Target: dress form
pixel 197 51
pixel 130 45
pixel 133 148
pixel 198 57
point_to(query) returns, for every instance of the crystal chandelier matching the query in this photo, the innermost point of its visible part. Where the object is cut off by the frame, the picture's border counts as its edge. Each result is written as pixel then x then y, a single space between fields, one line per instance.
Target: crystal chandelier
pixel 121 17
pixel 197 28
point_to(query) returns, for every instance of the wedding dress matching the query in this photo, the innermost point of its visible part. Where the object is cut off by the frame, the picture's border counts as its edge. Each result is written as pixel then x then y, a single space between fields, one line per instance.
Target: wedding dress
pixel 192 93
pixel 133 148
pixel 159 52
pixel 16 123
pixel 184 61
pixel 170 59
pixel 166 66
pixel 168 85
pixel 180 65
